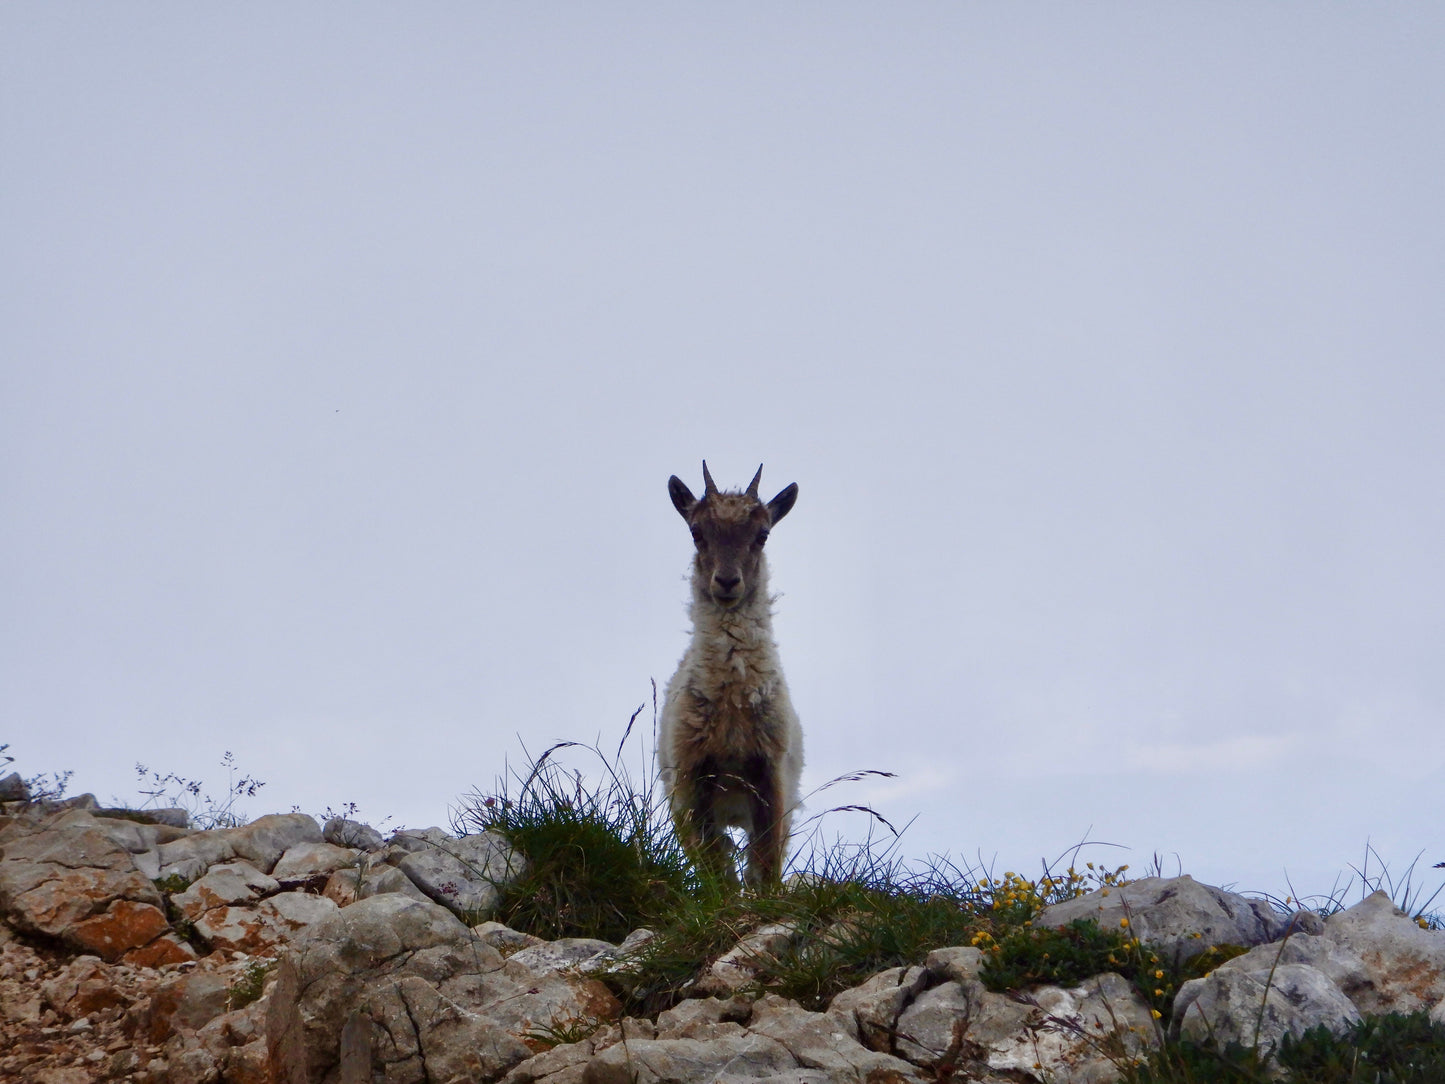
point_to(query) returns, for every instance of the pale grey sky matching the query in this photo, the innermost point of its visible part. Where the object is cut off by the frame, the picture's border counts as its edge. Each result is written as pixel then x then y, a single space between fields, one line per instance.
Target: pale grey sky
pixel 345 351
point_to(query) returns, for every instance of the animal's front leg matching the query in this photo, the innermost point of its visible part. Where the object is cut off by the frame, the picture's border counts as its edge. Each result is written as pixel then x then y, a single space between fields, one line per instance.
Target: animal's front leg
pixel 768 839
pixel 700 829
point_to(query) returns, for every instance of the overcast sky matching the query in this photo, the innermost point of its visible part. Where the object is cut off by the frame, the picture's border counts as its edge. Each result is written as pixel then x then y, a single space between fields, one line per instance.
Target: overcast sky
pixel 346 350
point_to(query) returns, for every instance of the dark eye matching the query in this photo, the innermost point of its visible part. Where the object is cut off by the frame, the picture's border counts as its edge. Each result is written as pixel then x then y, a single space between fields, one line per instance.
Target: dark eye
pixel 762 537
pixel 699 541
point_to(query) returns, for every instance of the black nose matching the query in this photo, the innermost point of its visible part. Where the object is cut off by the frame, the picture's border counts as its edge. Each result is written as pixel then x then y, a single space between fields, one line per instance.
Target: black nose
pixel 727 583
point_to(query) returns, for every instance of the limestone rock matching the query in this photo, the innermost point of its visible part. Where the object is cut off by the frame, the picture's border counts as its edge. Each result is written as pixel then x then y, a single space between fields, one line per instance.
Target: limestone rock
pixel 1260 1005
pixel 1403 965
pixel 407 1030
pixel 13 789
pixel 326 975
pixel 567 952
pixel 346 886
pixel 141 838
pixel 65 878
pixel 260 843
pixel 168 948
pixel 1080 1033
pixel 227 909
pixel 938 1023
pixel 56 1014
pixel 134 837
pixel 352 835
pixel 870 1012
pixel 227 1049
pixel 1368 960
pixel 306 861
pixel 742 964
pixel 189 1000
pixel 682 1061
pixel 266 927
pixel 266 839
pixel 1178 916
pixel 191 856
pixel 567 1062
pixel 81 988
pixel 344 983
pixel 704 1018
pixel 564 1064
pixel 377 981
pixel 171 817
pixel 123 927
pixel 224 885
pixel 622 958
pixel 505 939
pixel 954 964
pixel 818 1041
pixel 463 874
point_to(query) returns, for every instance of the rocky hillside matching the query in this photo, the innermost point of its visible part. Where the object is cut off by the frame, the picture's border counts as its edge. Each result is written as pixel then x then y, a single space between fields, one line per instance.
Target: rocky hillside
pixel 134 948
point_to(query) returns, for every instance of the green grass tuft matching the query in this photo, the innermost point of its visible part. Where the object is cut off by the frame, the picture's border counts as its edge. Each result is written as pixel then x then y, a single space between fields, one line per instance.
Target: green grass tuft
pixel 602 858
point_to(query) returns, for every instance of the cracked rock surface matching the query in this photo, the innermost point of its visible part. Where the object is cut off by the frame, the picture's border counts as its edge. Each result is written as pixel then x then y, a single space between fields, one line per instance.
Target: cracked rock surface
pixel 282 953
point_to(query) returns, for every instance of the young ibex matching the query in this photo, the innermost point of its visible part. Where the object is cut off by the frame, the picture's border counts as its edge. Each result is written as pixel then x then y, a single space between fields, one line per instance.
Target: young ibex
pixel 730 748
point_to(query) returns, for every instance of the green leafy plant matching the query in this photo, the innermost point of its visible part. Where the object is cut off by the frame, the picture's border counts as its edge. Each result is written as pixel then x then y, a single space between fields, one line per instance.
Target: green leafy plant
pixel 1189 1062
pixel 1063 956
pixel 172 883
pixel 1391 1049
pixel 250 986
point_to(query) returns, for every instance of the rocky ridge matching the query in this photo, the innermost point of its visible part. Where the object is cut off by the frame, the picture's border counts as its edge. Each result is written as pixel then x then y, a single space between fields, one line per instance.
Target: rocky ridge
pixel 135 949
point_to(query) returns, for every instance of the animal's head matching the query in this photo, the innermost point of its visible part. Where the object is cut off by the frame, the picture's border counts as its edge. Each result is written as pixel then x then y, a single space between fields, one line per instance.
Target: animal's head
pixel 729 531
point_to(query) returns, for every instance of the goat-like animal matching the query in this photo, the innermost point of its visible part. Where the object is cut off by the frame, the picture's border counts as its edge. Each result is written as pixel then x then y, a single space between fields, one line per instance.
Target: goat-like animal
pixel 730 748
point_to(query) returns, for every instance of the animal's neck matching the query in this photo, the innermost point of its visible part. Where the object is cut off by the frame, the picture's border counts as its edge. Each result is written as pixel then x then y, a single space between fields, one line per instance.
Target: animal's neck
pixel 751 620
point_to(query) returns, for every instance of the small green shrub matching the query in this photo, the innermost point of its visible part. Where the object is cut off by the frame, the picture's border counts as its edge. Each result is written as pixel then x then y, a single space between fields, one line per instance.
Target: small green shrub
pixel 172 883
pixel 1201 964
pixel 1393 1049
pixel 1379 1050
pixel 1188 1062
pixel 1066 956
pixel 250 986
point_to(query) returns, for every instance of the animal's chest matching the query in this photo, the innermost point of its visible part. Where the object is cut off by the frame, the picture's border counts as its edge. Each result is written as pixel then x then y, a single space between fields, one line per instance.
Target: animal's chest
pixel 732 717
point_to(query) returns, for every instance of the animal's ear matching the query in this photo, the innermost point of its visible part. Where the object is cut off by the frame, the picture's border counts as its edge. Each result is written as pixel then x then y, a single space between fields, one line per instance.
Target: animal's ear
pixel 782 504
pixel 682 498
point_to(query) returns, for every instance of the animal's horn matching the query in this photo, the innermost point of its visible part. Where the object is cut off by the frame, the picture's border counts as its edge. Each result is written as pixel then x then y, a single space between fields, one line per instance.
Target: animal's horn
pixel 753 488
pixel 709 486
